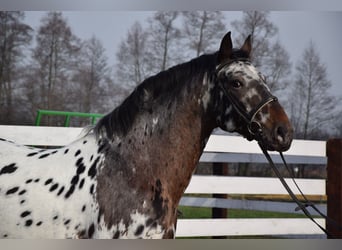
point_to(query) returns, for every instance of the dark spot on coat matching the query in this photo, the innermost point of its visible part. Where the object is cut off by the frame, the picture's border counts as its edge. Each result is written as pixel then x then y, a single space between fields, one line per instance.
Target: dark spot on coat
pixel 81 234
pixel 28 181
pixel 83 208
pixel 28 223
pixel 139 230
pixel 55 217
pixel 77 152
pixel 53 187
pixel 48 181
pixel 81 184
pixel 67 222
pixel 74 180
pixel 12 190
pixel 92 170
pixel 79 161
pixel 70 191
pixel 39 223
pixel 32 154
pixel 60 191
pixel 66 151
pixel 99 217
pixel 116 235
pixel 24 214
pixel 8 169
pixel 84 142
pixel 44 156
pixel 91 230
pixel 22 201
pixel 36 180
pixel 102 147
pixel 54 152
pixel 5 235
pixel 149 222
pixel 22 192
pixel 80 169
pixel 91 189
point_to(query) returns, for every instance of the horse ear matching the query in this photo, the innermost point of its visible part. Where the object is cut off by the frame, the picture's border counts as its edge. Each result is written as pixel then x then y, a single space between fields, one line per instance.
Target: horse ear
pixel 247 46
pixel 226 47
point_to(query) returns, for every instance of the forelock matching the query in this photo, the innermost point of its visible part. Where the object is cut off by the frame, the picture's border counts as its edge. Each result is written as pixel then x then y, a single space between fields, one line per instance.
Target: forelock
pixel 244 68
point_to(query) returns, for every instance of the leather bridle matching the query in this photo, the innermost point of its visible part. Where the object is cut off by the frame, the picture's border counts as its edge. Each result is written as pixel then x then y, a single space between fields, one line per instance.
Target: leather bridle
pixel 253 126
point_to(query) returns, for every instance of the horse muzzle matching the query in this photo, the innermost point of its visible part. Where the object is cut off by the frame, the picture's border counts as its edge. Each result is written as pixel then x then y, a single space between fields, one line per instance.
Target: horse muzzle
pixel 276 134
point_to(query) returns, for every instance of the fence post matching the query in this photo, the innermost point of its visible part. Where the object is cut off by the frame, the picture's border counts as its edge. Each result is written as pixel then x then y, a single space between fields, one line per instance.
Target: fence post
pixel 220 169
pixel 39 117
pixel 334 186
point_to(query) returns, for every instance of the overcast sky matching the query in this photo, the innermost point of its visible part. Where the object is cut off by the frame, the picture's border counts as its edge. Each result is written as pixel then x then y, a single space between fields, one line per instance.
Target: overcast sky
pixel 296 29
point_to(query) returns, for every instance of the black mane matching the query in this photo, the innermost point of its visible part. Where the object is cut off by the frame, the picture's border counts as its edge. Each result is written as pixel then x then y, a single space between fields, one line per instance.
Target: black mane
pixel 155 90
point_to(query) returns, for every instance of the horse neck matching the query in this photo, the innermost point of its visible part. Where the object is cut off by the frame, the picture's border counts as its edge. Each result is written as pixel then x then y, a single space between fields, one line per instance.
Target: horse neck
pixel 168 135
pixel 174 137
pixel 153 157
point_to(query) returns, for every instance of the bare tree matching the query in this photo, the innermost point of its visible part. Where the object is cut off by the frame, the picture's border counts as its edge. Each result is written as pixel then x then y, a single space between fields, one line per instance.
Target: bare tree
pixel 163 35
pixel 257 24
pixel 132 57
pixel 54 59
pixel 92 77
pixel 268 55
pixel 14 37
pixel 202 30
pixel 277 67
pixel 338 123
pixel 312 106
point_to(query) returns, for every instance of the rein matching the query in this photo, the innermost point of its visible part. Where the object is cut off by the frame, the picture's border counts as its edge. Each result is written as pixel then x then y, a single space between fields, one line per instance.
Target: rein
pixel 301 206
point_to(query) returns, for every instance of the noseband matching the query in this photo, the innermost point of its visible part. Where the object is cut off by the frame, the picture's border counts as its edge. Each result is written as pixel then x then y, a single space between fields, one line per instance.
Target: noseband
pixel 254 127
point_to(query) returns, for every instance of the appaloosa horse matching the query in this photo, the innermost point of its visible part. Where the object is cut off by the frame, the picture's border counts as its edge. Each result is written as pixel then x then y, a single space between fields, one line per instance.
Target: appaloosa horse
pixel 125 177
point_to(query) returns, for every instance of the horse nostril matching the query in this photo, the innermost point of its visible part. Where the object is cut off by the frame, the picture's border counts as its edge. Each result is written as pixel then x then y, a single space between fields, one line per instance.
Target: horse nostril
pixel 280 133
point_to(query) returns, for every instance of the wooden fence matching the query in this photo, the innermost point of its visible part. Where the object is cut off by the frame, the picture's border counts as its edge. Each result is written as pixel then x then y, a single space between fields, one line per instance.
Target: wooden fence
pixel 226 148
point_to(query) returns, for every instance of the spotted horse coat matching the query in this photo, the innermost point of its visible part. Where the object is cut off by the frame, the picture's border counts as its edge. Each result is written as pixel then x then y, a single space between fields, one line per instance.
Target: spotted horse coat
pixel 124 178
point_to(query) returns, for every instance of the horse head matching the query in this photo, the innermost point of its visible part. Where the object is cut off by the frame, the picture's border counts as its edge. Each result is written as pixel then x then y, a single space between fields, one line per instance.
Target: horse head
pixel 245 103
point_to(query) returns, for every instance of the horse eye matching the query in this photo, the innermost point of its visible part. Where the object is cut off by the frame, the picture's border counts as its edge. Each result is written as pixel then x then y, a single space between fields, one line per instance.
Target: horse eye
pixel 236 84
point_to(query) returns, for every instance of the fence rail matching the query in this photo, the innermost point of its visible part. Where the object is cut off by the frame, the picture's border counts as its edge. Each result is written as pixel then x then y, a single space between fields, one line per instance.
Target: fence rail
pixel 220 148
pixel 66 114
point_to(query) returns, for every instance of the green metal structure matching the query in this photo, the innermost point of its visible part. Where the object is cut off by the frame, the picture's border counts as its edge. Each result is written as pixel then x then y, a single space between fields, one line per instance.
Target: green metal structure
pixel 68 115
